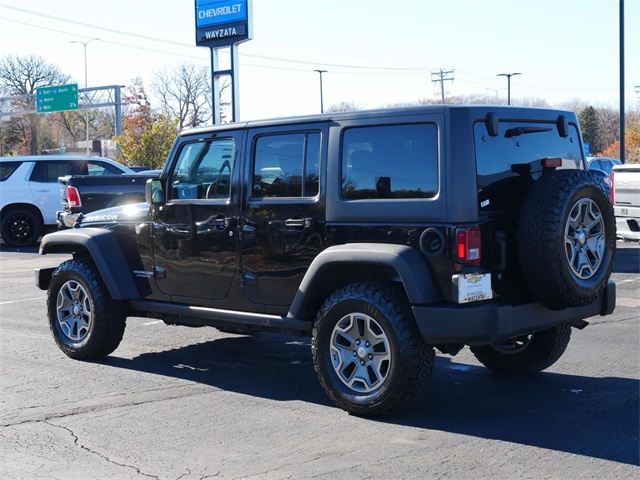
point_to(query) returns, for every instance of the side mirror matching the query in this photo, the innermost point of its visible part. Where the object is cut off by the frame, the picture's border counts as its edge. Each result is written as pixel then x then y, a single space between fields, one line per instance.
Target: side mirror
pixel 154 192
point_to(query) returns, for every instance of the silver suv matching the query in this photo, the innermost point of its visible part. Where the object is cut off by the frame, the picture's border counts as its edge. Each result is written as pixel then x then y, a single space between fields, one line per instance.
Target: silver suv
pixel 30 194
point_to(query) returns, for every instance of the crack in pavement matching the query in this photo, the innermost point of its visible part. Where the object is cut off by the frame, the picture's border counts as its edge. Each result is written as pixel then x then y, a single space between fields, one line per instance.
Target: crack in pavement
pixel 76 441
pixel 108 407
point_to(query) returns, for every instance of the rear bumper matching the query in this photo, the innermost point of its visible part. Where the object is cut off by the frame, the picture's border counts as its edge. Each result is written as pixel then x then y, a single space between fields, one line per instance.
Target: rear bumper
pixel 66 219
pixel 628 228
pixel 491 323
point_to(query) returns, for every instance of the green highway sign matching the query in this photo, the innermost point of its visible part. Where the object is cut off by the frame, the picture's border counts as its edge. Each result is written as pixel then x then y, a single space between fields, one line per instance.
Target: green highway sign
pixel 57 98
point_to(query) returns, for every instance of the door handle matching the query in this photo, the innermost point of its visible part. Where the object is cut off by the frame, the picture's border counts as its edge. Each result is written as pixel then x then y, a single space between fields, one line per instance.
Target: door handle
pixel 298 222
pixel 220 222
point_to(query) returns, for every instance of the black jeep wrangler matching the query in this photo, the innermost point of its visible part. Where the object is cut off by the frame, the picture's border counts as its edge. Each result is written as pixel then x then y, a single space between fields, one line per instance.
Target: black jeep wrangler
pixel 384 235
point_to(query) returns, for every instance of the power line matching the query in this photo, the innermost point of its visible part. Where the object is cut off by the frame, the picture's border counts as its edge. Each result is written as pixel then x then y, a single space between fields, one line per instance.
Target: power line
pixel 180 44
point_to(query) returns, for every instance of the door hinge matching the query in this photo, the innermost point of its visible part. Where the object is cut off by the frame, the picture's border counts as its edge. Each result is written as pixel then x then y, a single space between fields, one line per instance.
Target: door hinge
pixel 247 233
pixel 159 273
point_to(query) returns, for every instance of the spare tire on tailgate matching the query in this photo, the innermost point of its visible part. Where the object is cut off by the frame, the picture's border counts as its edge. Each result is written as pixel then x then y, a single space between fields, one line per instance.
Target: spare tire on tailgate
pixel 566 238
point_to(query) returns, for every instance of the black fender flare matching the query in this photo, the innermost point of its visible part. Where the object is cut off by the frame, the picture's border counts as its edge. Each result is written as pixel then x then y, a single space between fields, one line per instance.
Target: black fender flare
pixel 103 246
pixel 410 267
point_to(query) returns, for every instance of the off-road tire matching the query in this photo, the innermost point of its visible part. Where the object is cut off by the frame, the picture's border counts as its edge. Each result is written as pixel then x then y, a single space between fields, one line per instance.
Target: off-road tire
pixel 408 372
pixel 566 239
pixel 85 321
pixel 528 354
pixel 21 227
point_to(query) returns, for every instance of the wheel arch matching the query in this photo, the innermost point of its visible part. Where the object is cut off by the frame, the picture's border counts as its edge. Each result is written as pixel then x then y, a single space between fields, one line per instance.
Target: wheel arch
pixel 28 206
pixel 103 247
pixel 341 265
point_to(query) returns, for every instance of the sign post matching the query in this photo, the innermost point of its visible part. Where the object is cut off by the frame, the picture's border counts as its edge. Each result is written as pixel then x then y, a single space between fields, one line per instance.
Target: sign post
pixel 221 24
pixel 57 98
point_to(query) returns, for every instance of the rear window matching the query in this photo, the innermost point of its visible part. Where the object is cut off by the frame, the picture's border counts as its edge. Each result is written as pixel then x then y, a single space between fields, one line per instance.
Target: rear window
pixel 7 169
pixel 509 163
pixel 391 161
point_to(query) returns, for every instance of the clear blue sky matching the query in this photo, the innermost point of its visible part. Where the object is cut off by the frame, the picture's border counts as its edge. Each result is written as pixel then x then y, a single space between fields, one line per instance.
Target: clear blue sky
pixel 376 51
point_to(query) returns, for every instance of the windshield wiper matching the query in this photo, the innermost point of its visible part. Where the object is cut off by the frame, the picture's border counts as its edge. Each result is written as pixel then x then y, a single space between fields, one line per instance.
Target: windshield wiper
pixel 516 132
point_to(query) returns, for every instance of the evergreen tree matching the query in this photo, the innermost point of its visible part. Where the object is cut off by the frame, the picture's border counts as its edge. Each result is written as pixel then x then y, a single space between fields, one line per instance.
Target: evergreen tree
pixel 590 129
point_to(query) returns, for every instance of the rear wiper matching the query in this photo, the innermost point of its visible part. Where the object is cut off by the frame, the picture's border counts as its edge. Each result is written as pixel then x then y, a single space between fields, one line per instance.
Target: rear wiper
pixel 516 132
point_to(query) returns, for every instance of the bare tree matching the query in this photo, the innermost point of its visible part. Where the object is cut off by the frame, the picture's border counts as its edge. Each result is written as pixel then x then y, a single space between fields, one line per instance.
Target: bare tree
pixel 183 93
pixel 21 76
pixel 225 103
pixel 101 122
pixel 345 107
pixel 608 125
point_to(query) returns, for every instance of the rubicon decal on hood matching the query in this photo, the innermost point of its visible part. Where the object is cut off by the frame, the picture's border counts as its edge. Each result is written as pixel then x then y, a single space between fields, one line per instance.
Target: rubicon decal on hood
pixel 101 218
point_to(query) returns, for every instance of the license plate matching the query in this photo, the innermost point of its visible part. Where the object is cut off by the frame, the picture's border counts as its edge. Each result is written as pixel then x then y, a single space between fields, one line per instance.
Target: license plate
pixel 473 287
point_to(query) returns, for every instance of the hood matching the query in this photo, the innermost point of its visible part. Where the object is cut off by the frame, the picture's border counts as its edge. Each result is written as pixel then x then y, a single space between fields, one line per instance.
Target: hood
pixel 133 212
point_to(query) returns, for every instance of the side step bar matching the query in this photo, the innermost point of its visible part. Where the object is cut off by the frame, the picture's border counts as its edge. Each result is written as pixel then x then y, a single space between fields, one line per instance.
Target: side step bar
pixel 214 317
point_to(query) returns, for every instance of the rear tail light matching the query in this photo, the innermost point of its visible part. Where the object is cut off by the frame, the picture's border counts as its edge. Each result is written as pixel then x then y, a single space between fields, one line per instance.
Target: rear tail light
pixel 73 197
pixel 612 190
pixel 551 162
pixel 468 245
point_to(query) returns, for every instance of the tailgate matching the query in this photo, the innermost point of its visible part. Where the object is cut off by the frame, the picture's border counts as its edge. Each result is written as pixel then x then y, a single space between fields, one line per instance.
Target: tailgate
pixel 626 185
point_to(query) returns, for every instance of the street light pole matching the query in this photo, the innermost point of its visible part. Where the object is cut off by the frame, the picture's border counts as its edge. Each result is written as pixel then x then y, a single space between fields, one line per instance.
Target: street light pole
pixel 496 90
pixel 321 100
pixel 508 75
pixel 86 85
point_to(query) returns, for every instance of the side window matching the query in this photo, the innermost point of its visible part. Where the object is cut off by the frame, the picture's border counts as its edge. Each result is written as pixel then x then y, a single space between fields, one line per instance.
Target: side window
pixel 49 171
pixel 203 170
pixel 101 168
pixel 395 161
pixel 7 169
pixel 286 165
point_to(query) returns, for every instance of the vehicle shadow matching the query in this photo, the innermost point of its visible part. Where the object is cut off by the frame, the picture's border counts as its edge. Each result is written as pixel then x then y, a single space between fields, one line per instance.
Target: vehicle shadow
pixel 4 247
pixel 589 416
pixel 627 259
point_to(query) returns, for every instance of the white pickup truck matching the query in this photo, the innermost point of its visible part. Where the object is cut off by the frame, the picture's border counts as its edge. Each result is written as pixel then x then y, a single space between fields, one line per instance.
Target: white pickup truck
pixel 625 197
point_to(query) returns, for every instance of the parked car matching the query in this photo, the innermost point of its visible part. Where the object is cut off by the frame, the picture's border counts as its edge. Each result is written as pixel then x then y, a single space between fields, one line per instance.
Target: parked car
pixel 383 235
pixel 625 197
pixel 30 193
pixel 140 168
pixel 82 194
pixel 603 164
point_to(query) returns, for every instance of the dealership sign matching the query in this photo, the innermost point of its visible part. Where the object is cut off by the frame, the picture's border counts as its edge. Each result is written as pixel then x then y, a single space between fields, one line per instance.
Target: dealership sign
pixel 221 23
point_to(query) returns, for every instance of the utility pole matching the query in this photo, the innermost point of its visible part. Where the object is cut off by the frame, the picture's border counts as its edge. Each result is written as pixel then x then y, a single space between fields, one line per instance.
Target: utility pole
pixel 321 100
pixel 622 114
pixel 441 77
pixel 86 85
pixel 508 75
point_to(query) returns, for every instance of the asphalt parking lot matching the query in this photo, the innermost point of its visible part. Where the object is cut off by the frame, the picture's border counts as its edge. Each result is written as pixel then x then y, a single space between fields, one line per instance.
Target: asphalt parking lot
pixel 181 403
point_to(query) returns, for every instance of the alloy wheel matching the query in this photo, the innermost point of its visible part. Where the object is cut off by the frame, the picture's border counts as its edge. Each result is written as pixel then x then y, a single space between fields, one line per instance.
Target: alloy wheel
pixel 360 352
pixel 74 311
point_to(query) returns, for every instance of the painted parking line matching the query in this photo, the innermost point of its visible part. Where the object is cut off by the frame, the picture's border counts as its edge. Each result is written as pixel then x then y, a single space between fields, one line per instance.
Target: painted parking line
pixel 153 323
pixel 22 300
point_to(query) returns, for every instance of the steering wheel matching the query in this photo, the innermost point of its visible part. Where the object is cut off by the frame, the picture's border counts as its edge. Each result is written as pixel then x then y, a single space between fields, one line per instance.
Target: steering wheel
pixel 219 181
